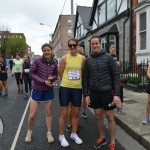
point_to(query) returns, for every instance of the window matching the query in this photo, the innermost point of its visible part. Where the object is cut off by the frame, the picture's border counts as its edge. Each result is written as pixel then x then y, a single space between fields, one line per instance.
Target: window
pixel 69 22
pixel 79 32
pixel 142 31
pixel 111 8
pixel 69 33
pixel 112 40
pixel 104 42
pixel 102 13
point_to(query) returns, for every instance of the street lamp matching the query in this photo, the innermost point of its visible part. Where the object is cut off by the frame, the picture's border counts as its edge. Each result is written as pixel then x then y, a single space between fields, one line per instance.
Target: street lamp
pixel 49 26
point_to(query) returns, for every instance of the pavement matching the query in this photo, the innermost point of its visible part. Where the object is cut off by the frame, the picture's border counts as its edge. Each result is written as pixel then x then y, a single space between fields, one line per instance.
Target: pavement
pixel 135 107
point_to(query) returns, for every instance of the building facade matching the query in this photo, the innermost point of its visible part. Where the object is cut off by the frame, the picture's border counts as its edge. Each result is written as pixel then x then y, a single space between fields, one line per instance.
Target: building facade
pixel 61 35
pixel 110 20
pixel 142 33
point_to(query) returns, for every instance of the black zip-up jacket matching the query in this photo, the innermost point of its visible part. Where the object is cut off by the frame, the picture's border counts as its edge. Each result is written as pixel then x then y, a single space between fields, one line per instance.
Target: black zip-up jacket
pixel 100 74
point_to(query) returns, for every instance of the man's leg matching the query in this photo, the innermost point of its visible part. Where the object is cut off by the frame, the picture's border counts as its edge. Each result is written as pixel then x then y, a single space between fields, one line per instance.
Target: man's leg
pixel 111 125
pixel 99 118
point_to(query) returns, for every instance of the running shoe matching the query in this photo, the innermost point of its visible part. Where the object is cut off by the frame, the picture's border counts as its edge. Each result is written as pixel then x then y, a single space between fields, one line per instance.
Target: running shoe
pixel 145 121
pixel 75 137
pixel 83 115
pixel 121 111
pixel 28 137
pixel 63 141
pixel 100 142
pixel 5 96
pixel 0 94
pixel 26 96
pixel 111 146
pixel 50 137
pixel 18 91
pixel 21 91
pixel 69 129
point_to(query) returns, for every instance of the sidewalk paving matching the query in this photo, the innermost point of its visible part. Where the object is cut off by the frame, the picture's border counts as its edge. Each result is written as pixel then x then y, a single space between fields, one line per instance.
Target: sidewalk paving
pixel 135 107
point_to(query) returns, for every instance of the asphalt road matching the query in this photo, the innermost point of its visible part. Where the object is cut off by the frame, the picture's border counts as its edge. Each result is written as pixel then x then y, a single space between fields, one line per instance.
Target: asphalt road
pixel 12 112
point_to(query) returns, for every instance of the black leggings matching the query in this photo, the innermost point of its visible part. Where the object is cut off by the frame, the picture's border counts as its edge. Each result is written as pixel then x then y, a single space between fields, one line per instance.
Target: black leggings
pixel 27 81
pixel 18 80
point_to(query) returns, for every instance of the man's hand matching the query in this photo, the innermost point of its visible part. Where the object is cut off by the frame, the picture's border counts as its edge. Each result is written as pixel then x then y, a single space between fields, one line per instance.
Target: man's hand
pixel 117 101
pixel 87 99
pixel 12 74
pixel 49 84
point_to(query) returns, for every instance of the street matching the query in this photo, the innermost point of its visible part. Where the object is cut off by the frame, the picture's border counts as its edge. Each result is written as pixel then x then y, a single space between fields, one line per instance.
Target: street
pixel 13 112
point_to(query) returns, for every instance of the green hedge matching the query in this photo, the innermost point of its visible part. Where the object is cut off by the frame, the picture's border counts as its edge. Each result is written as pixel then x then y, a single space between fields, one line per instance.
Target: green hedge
pixel 133 80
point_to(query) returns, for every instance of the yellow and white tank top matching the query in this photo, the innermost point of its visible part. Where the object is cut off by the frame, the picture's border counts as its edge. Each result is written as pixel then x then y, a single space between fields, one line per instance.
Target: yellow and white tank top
pixel 72 76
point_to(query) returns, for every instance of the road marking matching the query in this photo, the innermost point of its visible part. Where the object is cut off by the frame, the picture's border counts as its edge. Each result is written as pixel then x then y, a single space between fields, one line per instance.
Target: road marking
pixel 19 128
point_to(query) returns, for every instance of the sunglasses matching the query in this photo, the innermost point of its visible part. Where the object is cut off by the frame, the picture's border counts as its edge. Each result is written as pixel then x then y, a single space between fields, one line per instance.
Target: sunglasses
pixel 72 45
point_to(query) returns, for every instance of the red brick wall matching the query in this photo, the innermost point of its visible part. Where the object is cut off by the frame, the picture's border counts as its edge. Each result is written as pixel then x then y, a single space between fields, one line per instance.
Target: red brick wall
pixel 133 34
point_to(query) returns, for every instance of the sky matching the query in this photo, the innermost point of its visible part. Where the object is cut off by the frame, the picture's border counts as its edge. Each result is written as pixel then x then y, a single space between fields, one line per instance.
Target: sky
pixel 25 16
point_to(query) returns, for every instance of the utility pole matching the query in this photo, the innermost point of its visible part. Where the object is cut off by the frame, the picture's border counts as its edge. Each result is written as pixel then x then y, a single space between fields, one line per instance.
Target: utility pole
pixel 72 20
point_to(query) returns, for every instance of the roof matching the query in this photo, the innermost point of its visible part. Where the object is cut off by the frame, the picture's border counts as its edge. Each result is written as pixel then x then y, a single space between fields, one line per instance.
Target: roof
pixel 84 13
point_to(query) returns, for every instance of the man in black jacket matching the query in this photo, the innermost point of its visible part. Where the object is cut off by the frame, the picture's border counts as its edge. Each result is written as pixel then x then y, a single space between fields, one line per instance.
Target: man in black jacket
pixel 100 78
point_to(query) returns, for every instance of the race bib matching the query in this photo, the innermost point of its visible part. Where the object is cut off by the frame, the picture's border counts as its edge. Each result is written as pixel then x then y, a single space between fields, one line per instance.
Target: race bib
pixel 74 75
pixel 26 70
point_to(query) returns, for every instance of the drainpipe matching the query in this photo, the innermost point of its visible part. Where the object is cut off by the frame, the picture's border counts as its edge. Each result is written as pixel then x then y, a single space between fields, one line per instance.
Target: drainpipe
pixel 130 48
pixel 124 23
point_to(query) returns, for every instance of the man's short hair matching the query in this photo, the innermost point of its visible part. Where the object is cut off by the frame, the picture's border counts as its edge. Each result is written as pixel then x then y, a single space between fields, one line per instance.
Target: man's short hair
pixel 93 37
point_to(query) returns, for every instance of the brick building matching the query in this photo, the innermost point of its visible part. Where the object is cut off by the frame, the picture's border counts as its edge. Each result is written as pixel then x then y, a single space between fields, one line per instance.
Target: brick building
pixel 61 35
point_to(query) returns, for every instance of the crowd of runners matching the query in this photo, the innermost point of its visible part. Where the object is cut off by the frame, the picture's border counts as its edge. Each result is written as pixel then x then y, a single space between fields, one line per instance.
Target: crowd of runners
pixel 92 81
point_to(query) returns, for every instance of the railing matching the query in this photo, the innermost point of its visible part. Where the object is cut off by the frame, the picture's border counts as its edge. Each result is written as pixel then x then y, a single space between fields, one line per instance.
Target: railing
pixel 136 74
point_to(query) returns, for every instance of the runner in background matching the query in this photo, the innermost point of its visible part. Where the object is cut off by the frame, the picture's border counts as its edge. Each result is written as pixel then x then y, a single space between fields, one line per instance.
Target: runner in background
pixel 25 73
pixel 3 77
pixel 16 70
pixel 113 54
pixel 146 120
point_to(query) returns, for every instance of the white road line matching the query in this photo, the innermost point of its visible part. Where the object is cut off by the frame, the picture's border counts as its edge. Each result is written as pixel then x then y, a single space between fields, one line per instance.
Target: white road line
pixel 19 128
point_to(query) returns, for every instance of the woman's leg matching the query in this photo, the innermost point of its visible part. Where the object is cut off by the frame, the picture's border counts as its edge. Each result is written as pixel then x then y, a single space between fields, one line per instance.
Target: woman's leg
pixel 75 118
pixel 25 77
pixel 5 87
pixel 70 115
pixel 33 110
pixel 48 114
pixel 62 119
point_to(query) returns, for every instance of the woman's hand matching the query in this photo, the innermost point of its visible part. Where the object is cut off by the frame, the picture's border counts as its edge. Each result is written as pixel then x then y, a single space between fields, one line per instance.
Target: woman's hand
pixel 49 84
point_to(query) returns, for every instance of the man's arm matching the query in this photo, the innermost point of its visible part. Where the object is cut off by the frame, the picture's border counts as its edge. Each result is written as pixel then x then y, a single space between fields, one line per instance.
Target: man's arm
pixel 85 79
pixel 148 72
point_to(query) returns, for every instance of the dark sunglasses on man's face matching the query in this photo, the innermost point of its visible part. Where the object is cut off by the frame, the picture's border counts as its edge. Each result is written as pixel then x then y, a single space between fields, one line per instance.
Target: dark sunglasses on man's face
pixel 72 45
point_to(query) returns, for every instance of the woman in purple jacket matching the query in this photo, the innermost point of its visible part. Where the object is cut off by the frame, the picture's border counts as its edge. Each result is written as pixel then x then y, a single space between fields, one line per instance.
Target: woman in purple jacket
pixel 43 73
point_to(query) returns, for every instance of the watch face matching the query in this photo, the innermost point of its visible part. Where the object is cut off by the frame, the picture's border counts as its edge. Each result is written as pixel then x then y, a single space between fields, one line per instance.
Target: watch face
pixel 1 127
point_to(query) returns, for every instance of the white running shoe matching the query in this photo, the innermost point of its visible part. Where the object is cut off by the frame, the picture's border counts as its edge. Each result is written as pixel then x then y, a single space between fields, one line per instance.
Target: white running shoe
pixel 50 137
pixel 75 137
pixel 28 137
pixel 63 141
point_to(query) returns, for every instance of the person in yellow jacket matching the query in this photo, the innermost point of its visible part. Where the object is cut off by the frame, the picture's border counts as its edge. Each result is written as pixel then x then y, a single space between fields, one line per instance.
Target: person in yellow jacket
pixel 71 67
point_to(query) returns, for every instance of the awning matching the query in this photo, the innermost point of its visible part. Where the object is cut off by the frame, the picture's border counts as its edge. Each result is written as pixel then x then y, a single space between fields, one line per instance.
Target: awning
pixel 109 30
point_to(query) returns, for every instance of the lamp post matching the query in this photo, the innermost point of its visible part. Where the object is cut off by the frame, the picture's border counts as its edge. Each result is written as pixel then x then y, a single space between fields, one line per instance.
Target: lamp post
pixel 49 26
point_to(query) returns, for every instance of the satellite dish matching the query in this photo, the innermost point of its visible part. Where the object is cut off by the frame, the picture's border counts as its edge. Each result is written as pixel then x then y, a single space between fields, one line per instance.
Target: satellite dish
pixel 1 127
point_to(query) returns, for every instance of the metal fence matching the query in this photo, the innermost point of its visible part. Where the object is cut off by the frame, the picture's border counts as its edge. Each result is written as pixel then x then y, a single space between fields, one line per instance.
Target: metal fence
pixel 136 73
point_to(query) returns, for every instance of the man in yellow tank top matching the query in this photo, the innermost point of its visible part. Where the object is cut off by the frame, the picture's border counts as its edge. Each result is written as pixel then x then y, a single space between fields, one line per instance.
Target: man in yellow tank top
pixel 71 66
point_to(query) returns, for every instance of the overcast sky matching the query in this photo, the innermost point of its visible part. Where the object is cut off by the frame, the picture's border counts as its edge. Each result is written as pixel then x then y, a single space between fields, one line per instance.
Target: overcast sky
pixel 25 16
